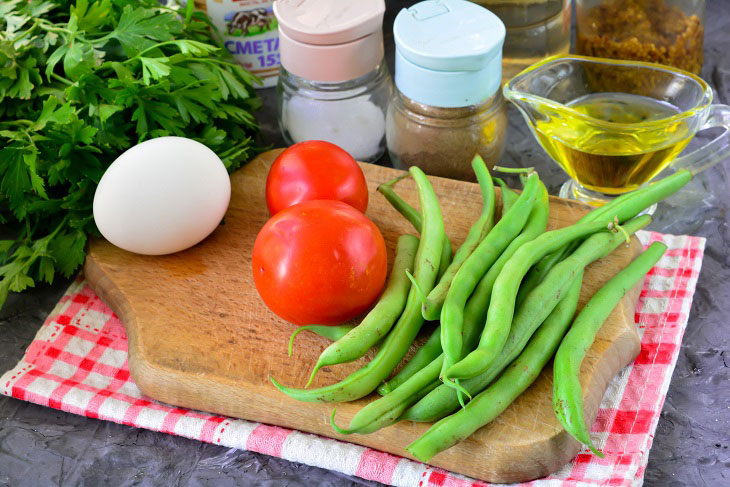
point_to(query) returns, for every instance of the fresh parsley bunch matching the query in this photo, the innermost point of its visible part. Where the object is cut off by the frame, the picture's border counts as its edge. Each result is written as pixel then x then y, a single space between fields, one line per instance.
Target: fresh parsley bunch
pixel 80 82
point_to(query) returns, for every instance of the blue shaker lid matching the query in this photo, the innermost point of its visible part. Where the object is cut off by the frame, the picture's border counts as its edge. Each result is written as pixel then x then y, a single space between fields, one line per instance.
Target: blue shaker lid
pixel 449 52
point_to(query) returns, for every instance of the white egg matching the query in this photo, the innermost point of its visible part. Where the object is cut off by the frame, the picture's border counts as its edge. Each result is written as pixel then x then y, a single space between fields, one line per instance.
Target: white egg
pixel 162 196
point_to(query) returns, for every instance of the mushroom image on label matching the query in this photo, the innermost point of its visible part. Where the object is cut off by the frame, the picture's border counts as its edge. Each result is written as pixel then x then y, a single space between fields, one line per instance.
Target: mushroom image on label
pixel 334 84
pixel 447 105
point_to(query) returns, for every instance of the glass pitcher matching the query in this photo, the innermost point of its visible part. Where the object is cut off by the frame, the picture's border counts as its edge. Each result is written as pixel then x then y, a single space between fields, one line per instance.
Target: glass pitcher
pixel 614 125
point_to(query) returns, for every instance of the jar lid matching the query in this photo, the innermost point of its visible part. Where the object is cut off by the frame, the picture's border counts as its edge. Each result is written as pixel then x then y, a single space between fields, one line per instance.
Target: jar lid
pixel 448 35
pixel 449 52
pixel 330 40
pixel 327 22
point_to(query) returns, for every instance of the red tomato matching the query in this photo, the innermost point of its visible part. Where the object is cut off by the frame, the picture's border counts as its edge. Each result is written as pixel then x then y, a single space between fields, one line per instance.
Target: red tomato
pixel 319 262
pixel 315 170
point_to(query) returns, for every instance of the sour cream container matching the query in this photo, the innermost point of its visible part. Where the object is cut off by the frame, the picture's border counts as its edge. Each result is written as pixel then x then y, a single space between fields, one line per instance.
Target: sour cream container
pixel 249 31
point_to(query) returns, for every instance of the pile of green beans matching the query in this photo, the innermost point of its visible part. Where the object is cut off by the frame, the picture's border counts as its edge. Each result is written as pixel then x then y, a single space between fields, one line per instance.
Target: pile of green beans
pixel 505 301
pixel 521 373
pixel 443 400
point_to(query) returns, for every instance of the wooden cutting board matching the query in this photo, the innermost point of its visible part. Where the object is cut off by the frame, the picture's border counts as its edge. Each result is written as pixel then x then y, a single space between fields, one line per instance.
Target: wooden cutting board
pixel 200 336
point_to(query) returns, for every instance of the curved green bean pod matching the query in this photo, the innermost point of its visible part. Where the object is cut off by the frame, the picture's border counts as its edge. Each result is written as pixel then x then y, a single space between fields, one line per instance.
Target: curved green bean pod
pixel 413 216
pixel 567 393
pixel 380 319
pixel 423 356
pixel 325 331
pixel 471 272
pixel 363 381
pixel 443 400
pixel 490 403
pixel 435 299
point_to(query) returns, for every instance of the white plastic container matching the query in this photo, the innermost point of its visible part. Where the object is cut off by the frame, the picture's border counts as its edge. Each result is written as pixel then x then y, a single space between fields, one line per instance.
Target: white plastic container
pixel 250 32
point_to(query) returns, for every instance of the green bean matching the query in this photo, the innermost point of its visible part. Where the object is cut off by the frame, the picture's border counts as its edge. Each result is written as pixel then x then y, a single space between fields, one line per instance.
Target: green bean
pixel 567 393
pixel 382 412
pixel 509 196
pixel 469 275
pixel 624 207
pixel 443 400
pixel 400 205
pixel 631 204
pixel 380 319
pixel 396 344
pixel 423 356
pixel 490 403
pixel 413 216
pixel 325 331
pixel 435 299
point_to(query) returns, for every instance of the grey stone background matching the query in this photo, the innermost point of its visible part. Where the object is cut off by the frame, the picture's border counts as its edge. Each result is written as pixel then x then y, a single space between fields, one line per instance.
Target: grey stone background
pixel 41 446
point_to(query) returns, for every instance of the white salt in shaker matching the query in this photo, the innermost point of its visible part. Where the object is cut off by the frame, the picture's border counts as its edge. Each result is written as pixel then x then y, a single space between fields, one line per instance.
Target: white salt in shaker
pixel 334 84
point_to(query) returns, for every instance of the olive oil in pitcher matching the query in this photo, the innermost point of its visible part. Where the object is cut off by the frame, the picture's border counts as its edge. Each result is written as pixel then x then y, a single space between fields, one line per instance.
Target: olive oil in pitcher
pixel 621 159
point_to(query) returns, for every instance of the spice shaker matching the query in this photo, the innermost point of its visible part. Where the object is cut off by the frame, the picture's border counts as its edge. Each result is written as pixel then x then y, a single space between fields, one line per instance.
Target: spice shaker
pixel 249 32
pixel 657 31
pixel 447 105
pixel 333 84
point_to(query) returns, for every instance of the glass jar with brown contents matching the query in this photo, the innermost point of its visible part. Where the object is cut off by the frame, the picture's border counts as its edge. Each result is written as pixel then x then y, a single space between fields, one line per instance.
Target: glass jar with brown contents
pixel 447 106
pixel 441 140
pixel 667 32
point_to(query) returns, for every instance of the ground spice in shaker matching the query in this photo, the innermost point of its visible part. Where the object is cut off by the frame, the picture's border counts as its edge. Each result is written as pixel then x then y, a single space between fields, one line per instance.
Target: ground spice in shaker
pixel 442 141
pixel 447 105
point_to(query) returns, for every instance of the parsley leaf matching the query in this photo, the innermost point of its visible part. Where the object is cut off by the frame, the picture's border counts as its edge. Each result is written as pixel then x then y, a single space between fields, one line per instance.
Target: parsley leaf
pixel 80 82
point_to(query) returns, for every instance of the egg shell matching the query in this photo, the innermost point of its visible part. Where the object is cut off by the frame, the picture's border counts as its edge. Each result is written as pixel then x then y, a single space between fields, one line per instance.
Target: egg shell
pixel 162 196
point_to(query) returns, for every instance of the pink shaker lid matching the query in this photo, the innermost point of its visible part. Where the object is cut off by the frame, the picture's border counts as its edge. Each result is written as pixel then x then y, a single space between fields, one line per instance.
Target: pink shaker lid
pixel 330 40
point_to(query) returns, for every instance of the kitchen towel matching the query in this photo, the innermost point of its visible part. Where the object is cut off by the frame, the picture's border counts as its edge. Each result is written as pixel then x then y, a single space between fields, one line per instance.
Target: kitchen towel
pixel 78 363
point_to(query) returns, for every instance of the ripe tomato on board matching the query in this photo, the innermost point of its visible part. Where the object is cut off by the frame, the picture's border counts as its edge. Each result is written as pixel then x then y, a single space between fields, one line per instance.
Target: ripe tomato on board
pixel 315 170
pixel 319 262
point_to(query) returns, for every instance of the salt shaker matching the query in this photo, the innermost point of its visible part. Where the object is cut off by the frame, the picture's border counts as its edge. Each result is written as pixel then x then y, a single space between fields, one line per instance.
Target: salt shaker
pixel 447 105
pixel 333 84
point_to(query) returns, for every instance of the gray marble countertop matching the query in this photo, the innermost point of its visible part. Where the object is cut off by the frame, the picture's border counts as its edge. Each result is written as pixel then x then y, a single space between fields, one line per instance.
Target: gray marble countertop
pixel 42 446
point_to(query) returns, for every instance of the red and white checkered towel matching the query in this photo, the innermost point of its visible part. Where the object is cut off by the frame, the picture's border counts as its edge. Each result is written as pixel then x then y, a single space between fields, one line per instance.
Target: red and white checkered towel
pixel 78 363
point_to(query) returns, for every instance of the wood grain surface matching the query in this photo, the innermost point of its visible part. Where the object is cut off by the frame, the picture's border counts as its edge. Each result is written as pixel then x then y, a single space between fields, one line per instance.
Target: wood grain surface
pixel 200 336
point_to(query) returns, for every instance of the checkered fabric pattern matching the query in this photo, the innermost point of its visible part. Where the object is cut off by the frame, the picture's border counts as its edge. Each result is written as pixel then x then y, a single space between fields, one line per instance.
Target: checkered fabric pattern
pixel 78 363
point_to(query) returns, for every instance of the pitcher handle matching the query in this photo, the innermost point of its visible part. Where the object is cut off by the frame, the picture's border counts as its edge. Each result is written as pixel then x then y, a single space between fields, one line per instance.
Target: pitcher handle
pixel 715 151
